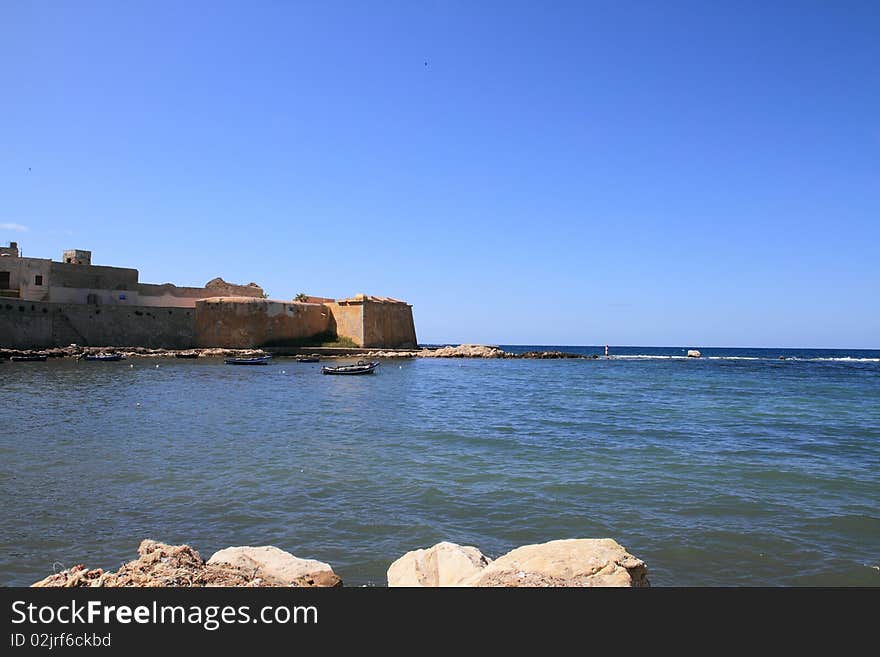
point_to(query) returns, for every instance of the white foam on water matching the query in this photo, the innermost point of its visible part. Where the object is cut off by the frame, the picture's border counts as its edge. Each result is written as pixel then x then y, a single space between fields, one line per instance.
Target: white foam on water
pixel 836 359
pixel 737 358
pixel 840 359
pixel 647 357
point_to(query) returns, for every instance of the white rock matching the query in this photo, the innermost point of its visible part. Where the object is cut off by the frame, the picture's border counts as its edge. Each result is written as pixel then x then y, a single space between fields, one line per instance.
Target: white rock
pixel 444 564
pixel 572 562
pixel 277 566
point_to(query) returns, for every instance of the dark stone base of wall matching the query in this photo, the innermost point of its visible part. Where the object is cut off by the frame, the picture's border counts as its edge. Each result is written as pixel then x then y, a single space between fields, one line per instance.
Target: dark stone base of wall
pixel 37 325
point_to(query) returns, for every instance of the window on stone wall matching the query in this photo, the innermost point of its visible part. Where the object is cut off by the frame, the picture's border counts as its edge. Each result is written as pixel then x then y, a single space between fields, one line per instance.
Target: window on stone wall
pixel 4 280
pixel 38 280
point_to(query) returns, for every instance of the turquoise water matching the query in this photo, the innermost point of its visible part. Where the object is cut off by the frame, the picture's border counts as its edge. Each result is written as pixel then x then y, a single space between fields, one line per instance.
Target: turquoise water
pixel 735 469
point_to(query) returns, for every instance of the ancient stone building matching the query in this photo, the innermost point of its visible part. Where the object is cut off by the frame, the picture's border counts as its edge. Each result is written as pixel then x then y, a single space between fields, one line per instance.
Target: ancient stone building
pixel 44 303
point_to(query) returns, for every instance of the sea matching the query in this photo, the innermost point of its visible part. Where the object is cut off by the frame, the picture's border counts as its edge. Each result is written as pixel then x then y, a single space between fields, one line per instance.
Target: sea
pixel 745 467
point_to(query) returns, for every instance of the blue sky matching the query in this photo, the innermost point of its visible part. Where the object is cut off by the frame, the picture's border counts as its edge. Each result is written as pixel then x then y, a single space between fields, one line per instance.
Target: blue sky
pixel 646 173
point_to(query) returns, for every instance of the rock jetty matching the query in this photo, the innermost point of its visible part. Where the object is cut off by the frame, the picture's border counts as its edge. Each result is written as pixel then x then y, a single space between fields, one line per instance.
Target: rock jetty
pixel 584 562
pixel 76 351
pixel 161 565
pixel 463 351
pixel 460 351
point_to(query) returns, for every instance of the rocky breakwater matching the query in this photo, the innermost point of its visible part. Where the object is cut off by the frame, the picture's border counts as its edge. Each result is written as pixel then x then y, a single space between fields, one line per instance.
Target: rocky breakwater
pixel 468 351
pixel 464 351
pixel 159 564
pixel 460 351
pixel 564 563
pixel 76 351
pixel 547 355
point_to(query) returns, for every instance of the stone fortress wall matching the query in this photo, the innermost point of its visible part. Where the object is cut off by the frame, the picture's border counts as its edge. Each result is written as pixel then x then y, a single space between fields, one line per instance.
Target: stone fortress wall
pixel 51 304
pixel 38 325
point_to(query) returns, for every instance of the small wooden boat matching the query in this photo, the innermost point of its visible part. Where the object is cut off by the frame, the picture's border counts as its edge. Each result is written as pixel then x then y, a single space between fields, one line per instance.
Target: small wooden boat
pixel 256 360
pixel 187 354
pixel 362 367
pixel 308 359
pixel 103 358
pixel 33 358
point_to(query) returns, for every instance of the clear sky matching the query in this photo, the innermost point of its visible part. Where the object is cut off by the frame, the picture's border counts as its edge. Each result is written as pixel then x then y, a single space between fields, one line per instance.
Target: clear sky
pixel 644 173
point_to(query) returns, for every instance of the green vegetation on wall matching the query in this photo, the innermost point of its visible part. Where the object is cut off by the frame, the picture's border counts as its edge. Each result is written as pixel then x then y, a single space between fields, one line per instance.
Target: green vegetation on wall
pixel 325 339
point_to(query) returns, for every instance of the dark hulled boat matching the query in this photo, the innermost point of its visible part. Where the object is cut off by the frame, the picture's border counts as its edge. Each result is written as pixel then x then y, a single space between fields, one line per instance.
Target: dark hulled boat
pixel 361 368
pixel 32 358
pixel 257 360
pixel 102 358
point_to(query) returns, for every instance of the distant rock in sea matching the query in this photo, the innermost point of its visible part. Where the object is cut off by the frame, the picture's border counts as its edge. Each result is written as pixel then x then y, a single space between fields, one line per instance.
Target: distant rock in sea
pixel 694 353
pixel 464 351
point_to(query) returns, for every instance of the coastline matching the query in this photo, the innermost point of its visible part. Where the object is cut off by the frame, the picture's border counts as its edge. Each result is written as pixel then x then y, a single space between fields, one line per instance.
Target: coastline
pixel 460 351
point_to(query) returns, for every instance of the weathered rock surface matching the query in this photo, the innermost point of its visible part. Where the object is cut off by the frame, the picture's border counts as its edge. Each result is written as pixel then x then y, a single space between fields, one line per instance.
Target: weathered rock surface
pixel 545 355
pixel 277 566
pixel 693 353
pixel 444 564
pixel 166 565
pixel 571 562
pixel 565 563
pixel 461 351
pixel 75 351
pixel 464 351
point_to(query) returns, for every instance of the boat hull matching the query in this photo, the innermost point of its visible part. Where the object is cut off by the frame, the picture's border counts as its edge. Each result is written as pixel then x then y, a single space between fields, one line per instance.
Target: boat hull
pixel 351 370
pixel 263 360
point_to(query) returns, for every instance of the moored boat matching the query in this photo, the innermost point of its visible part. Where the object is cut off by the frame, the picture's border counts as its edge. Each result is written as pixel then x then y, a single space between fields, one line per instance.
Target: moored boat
pixel 31 358
pixel 256 360
pixel 362 367
pixel 104 358
pixel 308 359
pixel 186 354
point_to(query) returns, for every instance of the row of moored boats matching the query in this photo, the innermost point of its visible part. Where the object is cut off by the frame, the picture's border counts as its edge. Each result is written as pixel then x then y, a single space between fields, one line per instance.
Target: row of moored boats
pixel 361 367
pixel 34 358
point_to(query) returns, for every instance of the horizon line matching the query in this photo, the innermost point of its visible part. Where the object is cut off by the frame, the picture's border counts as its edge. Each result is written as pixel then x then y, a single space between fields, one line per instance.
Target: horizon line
pixel 633 346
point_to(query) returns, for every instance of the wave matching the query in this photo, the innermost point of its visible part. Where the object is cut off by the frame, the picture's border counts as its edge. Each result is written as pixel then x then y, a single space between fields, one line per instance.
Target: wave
pixel 836 359
pixel 737 358
pixel 646 357
pixel 841 359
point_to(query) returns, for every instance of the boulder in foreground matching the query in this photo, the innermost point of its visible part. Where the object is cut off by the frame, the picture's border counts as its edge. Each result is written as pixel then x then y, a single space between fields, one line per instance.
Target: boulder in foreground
pixel 277 567
pixel 565 563
pixel 444 564
pixel 572 562
pixel 172 566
